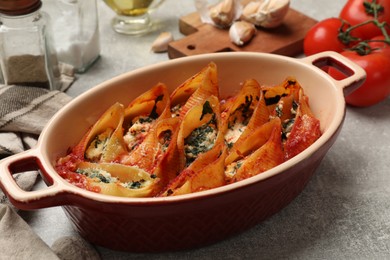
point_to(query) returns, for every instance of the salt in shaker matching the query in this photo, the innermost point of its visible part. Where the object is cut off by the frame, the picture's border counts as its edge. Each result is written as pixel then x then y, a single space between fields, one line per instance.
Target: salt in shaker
pixel 76 31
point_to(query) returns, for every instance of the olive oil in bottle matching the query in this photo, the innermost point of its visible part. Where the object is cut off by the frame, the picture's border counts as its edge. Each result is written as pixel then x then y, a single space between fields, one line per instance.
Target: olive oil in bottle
pixel 129 7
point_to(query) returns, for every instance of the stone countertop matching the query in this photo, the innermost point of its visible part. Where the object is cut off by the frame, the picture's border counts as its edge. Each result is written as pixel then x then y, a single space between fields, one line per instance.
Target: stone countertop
pixel 343 213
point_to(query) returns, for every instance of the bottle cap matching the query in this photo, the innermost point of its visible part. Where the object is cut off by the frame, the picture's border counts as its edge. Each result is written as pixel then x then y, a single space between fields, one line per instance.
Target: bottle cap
pixel 19 7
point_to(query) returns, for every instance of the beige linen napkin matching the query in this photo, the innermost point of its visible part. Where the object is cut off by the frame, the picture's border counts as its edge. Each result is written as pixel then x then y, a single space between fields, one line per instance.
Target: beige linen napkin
pixel 24 111
pixel 18 241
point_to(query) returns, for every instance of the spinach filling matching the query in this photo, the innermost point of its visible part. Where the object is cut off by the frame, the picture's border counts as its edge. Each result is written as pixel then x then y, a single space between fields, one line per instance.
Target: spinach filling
pixel 102 176
pixel 105 177
pixel 199 141
pixel 288 124
pixel 238 121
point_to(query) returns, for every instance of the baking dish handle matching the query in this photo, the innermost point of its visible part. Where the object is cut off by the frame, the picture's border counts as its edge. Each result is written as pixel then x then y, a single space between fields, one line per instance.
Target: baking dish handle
pixel 29 160
pixel 355 75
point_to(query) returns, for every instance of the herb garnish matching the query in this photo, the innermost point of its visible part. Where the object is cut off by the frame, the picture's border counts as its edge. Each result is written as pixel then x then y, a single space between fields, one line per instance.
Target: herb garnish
pixel 207 109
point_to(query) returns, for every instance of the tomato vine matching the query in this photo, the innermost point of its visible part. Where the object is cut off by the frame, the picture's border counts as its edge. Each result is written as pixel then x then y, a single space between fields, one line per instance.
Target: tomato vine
pixel 363 47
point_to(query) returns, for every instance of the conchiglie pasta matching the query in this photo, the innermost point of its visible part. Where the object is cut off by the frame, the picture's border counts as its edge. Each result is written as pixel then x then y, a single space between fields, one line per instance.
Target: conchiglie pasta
pixel 143 111
pixel 200 130
pixel 202 150
pixel 104 141
pixel 158 152
pixel 191 140
pixel 243 117
pixel 195 90
pixel 203 174
pixel 119 180
pixel 267 156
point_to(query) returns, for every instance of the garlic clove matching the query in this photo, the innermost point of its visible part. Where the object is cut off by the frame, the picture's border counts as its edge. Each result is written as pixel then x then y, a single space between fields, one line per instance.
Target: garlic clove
pixel 250 10
pixel 266 13
pixel 222 14
pixel 241 32
pixel 160 44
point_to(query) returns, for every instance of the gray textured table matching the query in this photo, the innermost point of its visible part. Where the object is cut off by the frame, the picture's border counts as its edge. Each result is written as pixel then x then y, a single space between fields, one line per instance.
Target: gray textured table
pixel 344 212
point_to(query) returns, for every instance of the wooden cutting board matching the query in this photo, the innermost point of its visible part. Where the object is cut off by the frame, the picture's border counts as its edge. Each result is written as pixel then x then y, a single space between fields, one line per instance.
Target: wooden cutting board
pixel 287 39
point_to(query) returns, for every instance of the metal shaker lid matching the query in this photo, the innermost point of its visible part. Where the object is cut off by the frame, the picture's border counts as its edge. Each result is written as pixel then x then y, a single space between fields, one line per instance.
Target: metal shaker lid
pixel 19 7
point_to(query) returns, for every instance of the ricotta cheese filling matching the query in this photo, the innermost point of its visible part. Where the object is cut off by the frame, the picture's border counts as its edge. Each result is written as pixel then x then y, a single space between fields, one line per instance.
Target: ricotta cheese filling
pixel 200 140
pixel 100 175
pixel 232 168
pixel 287 124
pixel 233 133
pixel 98 145
pixel 137 131
pixel 238 122
pixel 176 110
pixel 164 140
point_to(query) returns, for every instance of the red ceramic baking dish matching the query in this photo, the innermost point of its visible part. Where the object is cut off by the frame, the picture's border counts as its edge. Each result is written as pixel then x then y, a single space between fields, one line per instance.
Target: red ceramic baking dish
pixel 192 220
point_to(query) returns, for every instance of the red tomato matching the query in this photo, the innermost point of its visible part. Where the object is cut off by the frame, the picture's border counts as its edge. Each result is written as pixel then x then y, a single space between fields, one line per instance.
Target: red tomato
pixel 380 46
pixel 376 88
pixel 323 37
pixel 354 12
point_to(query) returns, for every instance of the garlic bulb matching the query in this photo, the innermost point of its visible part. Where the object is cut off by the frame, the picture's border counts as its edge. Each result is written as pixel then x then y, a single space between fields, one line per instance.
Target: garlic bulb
pixel 266 13
pixel 241 32
pixel 162 41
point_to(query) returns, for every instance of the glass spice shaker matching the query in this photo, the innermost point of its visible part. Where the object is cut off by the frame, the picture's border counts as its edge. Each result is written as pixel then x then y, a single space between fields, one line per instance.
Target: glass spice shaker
pixel 76 31
pixel 27 56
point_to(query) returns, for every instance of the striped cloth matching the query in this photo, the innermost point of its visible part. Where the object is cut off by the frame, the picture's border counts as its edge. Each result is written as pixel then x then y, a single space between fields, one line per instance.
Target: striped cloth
pixel 24 111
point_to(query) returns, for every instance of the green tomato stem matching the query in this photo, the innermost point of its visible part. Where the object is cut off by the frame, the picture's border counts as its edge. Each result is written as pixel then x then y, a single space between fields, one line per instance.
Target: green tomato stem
pixel 362 47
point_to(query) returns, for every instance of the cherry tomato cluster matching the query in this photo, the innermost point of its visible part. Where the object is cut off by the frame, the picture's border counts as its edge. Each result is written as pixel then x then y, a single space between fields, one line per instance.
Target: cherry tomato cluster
pixel 360 33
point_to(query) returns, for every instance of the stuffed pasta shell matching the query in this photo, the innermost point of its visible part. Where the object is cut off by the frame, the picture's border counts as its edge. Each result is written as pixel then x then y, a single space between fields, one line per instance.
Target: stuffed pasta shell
pixel 142 112
pixel 303 131
pixel 244 114
pixel 201 150
pixel 158 153
pixel 104 141
pixel 195 90
pixel 264 153
pixel 300 128
pixel 118 179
